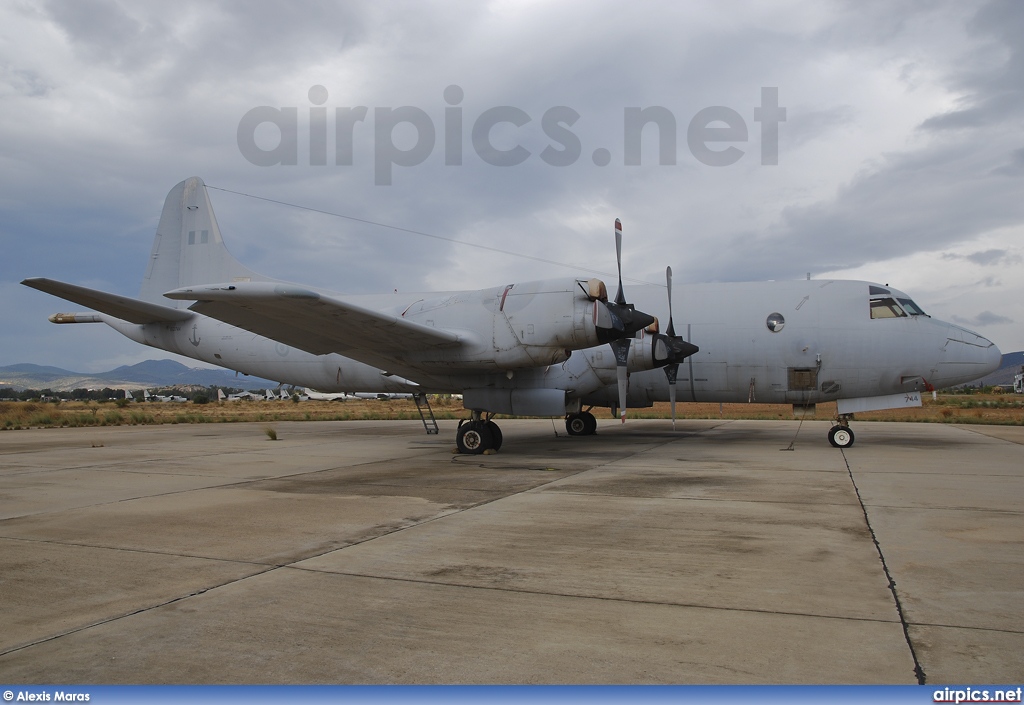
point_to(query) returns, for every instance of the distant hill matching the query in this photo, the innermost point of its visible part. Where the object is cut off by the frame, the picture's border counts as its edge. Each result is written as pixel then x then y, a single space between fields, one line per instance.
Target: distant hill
pixel 168 373
pixel 148 374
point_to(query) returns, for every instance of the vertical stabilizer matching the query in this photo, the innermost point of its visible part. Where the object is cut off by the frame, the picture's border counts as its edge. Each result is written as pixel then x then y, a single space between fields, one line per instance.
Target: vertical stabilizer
pixel 188 248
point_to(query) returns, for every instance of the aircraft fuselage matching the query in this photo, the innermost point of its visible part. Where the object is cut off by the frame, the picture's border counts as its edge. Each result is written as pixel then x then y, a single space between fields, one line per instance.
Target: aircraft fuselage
pixel 826 345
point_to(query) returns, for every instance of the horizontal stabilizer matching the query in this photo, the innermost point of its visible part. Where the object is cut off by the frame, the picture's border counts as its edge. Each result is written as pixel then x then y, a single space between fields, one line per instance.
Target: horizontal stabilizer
pixel 131 310
pixel 310 321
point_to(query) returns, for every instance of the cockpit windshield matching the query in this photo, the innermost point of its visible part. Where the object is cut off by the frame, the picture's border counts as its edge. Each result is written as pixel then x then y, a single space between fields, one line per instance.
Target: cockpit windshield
pixel 912 308
pixel 885 305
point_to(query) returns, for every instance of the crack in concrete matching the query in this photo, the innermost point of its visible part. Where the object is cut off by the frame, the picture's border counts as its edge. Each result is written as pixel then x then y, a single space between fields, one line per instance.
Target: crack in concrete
pixel 919 673
pixel 602 598
pixel 115 618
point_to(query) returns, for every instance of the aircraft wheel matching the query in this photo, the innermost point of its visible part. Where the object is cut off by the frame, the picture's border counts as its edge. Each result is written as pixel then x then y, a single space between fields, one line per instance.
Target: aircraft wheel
pixel 495 435
pixel 576 424
pixel 591 423
pixel 473 438
pixel 840 436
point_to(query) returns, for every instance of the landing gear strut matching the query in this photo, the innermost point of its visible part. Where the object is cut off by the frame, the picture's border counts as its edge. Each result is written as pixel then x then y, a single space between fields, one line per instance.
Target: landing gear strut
pixel 841 435
pixel 477 434
pixel 581 424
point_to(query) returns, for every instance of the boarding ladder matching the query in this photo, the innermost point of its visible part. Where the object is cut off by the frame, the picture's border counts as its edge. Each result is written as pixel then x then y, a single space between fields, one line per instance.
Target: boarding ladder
pixel 429 424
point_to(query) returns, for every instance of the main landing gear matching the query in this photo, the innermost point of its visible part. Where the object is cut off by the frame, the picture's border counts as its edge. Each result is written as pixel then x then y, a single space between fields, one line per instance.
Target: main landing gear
pixel 477 435
pixel 581 424
pixel 841 435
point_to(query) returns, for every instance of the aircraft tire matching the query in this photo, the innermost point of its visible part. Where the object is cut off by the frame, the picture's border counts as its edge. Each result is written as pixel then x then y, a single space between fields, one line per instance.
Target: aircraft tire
pixel 495 435
pixel 473 438
pixel 591 423
pixel 840 436
pixel 576 424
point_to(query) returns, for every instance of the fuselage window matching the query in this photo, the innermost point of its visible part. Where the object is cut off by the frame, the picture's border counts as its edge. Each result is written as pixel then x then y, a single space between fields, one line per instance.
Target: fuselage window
pixel 886 308
pixel 912 308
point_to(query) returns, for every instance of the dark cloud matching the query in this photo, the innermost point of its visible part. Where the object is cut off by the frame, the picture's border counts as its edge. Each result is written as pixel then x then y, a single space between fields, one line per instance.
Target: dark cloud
pixel 912 202
pixel 24 81
pixel 990 93
pixel 919 199
pixel 1015 166
pixel 985 318
pixel 206 42
pixel 987 258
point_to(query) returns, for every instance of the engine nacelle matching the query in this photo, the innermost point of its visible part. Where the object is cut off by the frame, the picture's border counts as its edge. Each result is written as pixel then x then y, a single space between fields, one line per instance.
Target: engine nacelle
pixel 647 353
pixel 532 324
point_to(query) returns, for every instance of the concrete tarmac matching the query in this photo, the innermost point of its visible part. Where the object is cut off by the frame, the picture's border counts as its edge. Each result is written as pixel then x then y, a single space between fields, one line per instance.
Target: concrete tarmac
pixel 366 552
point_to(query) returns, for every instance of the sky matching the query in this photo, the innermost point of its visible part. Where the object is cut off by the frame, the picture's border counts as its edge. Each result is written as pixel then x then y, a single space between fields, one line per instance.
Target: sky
pixel 513 126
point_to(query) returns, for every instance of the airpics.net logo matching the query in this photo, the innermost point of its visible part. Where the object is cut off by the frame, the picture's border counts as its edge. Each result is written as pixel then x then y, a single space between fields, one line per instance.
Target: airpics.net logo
pixel 711 134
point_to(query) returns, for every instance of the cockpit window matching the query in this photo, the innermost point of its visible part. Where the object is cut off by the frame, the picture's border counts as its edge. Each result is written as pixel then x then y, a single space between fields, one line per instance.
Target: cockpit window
pixel 886 307
pixel 912 308
pixel 877 290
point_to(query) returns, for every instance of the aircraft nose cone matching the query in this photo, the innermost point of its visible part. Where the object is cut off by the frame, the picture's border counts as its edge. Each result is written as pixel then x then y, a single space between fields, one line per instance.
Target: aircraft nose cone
pixel 964 357
pixel 992 357
pixel 985 353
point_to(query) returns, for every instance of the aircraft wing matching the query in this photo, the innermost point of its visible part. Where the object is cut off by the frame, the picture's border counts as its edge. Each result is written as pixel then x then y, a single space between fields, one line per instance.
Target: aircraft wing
pixel 311 321
pixel 127 309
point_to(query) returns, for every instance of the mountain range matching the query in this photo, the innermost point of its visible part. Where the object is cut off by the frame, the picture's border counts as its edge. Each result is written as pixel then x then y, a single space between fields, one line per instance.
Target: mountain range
pixel 168 373
pixel 144 375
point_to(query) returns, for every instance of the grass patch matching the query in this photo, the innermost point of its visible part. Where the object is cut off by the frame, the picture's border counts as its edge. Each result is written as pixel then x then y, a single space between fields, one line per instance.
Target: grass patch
pixel 955 409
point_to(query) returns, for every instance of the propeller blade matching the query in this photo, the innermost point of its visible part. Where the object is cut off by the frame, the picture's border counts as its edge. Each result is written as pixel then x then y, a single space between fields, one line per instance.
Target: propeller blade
pixel 621 350
pixel 671 332
pixel 672 399
pixel 672 369
pixel 620 298
pixel 623 378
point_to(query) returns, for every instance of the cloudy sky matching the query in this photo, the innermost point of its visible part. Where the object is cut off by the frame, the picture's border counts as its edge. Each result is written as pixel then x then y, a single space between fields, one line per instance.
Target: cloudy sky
pixel 901 158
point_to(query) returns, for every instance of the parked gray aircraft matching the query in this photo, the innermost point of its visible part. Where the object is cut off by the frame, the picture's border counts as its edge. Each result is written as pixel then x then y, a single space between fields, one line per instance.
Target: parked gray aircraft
pixel 557 347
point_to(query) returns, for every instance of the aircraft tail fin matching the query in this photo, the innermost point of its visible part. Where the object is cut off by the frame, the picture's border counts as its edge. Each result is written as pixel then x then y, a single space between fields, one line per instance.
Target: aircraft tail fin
pixel 188 248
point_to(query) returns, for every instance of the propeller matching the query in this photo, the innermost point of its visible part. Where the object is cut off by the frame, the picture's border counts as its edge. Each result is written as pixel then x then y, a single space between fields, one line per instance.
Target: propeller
pixel 678 349
pixel 620 298
pixel 624 312
pixel 621 346
pixel 618 321
pixel 672 368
